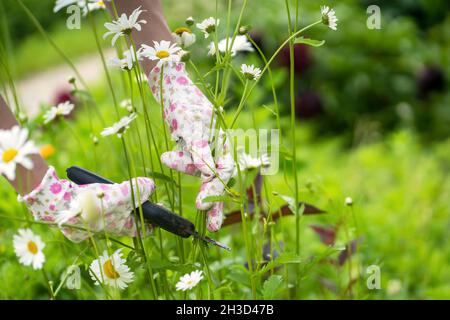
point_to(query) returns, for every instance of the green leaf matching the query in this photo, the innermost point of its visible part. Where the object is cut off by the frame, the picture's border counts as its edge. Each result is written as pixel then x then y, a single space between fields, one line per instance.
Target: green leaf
pixel 284 258
pixel 231 183
pixel 239 275
pixel 270 109
pixel 161 265
pixel 272 287
pixel 310 42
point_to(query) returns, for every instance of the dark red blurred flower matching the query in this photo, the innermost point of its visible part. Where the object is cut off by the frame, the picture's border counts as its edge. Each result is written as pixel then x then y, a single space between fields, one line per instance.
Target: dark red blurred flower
pixel 63 95
pixel 308 105
pixel 302 57
pixel 430 79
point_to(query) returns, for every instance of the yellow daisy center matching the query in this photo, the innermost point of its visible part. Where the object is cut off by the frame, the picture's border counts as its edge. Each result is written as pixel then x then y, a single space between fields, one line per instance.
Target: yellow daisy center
pixel 189 282
pixel 162 54
pixel 101 3
pixel 179 31
pixel 32 247
pixel 109 270
pixel 47 151
pixel 9 155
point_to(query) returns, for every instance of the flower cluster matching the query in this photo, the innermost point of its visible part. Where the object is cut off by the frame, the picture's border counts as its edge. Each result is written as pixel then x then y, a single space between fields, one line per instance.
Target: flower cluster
pixel 110 268
pixel 107 269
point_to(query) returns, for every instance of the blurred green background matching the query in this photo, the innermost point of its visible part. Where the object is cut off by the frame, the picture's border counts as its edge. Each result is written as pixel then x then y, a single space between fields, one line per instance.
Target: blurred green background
pixel 373 110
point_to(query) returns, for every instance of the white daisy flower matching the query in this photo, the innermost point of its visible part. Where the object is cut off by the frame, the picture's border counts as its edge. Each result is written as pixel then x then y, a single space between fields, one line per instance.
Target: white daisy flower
pixel 124 25
pixel 14 150
pixel 208 26
pixel 28 248
pixel 86 6
pixel 88 206
pixel 329 17
pixel 240 44
pixel 62 109
pixel 111 270
pixel 63 3
pixel 162 51
pixel 92 5
pixel 189 281
pixel 73 277
pixel 250 72
pixel 120 127
pixel 248 162
pixel 128 60
pixel 183 37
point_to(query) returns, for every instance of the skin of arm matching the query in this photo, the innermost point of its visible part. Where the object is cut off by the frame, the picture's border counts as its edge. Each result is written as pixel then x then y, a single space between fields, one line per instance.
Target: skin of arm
pixel 26 180
pixel 156 28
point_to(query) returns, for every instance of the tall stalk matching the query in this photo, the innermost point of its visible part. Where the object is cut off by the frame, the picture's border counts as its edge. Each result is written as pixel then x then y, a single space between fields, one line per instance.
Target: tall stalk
pixel 293 134
pixel 102 57
pixel 272 58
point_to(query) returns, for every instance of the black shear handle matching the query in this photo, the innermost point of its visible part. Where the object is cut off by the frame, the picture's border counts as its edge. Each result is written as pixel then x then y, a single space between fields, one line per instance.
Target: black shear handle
pixel 153 213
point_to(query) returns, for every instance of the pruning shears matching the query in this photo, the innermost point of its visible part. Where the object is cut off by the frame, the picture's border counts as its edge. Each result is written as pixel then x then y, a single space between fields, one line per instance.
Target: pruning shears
pixel 153 213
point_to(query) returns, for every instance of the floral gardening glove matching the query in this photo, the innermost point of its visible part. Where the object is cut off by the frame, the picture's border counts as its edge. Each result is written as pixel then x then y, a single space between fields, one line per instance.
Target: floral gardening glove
pixel 95 207
pixel 189 115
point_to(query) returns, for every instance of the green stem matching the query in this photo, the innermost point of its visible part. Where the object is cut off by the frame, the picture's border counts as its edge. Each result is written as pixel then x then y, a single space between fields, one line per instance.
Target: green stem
pixel 293 134
pixel 272 58
pixel 49 286
pixel 105 67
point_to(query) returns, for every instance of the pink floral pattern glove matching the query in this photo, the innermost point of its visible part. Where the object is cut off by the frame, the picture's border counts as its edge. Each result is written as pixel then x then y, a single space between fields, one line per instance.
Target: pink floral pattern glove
pixel 189 115
pixel 95 207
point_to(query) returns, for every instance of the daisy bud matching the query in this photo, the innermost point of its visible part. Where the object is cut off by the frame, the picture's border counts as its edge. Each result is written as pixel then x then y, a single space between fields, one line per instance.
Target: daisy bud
pixel 100 194
pixel 72 80
pixel 22 117
pixel 349 201
pixel 130 109
pixel 243 30
pixel 95 140
pixel 190 21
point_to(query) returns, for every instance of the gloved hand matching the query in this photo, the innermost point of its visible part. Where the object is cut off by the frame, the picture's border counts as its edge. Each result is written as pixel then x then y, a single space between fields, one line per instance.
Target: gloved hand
pixel 189 115
pixel 96 207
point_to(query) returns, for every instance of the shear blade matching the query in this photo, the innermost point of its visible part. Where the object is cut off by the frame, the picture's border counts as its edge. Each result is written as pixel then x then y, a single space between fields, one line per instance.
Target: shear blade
pixel 211 241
